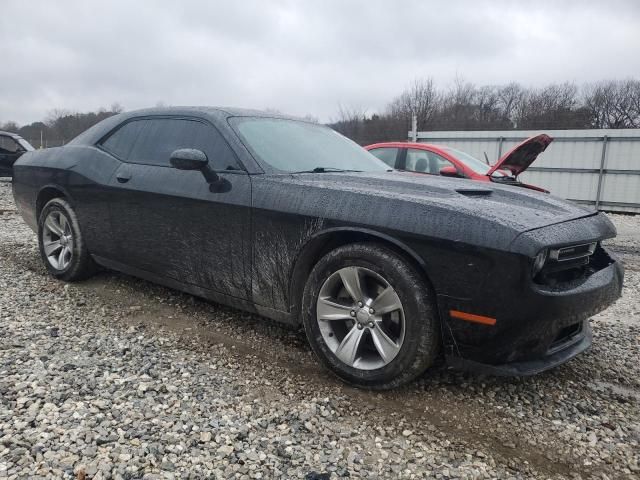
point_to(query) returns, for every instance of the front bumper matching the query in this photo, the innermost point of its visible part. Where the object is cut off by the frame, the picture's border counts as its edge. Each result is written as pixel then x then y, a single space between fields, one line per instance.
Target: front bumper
pixel 554 358
pixel 536 327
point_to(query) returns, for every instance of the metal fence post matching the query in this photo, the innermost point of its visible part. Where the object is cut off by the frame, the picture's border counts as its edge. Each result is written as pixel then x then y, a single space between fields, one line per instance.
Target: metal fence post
pixel 603 158
pixel 414 128
pixel 500 140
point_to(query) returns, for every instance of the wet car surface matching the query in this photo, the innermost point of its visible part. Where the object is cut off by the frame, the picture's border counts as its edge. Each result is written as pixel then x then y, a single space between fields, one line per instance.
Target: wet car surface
pixel 386 270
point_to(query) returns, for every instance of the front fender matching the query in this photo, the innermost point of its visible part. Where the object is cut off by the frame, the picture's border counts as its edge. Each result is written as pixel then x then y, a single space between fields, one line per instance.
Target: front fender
pixel 321 241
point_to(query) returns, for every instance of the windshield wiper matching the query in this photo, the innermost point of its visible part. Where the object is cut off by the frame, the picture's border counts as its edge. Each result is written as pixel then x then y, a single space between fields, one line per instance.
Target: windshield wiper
pixel 326 170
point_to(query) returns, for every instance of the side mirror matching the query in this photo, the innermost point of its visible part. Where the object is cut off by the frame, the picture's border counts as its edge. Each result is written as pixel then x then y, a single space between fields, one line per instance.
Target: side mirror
pixel 449 171
pixel 188 159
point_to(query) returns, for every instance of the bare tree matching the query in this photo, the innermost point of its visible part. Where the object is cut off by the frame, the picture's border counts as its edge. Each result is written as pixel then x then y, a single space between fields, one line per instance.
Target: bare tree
pixel 420 99
pixel 634 102
pixel 9 126
pixel 467 107
pixel 64 125
pixel 350 120
pixel 553 106
pixel 510 98
pixel 117 108
pixel 613 103
pixel 487 103
pixel 464 106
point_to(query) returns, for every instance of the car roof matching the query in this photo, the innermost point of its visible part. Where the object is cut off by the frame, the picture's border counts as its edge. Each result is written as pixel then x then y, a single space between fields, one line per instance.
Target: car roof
pixel 421 146
pixel 10 134
pixel 404 144
pixel 208 110
pixel 217 114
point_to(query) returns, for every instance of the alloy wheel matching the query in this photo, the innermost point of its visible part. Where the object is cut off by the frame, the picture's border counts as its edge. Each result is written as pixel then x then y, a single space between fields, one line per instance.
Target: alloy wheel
pixel 361 318
pixel 57 240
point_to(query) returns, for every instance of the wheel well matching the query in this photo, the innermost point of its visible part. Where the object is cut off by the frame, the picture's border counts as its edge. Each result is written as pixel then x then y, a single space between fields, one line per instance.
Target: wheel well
pixel 323 244
pixel 45 195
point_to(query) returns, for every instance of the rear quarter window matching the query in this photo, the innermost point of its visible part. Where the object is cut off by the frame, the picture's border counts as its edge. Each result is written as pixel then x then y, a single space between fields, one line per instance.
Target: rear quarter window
pixel 120 143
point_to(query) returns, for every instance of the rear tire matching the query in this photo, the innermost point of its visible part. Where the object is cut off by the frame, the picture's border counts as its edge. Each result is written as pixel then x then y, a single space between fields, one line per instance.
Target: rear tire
pixel 61 243
pixel 380 341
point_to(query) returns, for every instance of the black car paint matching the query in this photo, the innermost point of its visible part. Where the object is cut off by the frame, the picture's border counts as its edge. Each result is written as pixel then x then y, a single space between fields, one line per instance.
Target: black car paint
pixel 252 243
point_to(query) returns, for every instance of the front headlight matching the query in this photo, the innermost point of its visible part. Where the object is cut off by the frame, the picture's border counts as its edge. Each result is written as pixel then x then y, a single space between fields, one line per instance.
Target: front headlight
pixel 539 261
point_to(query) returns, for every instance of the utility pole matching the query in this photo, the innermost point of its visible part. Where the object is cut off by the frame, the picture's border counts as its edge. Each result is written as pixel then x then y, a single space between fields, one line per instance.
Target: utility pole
pixel 414 128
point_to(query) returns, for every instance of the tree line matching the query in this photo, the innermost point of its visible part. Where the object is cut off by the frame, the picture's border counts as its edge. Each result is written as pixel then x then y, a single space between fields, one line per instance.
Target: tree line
pixel 60 126
pixel 462 106
pixel 465 106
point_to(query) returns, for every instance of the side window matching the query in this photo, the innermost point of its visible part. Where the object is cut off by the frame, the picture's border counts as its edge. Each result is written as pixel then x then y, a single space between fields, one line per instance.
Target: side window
pixel 424 161
pixel 120 142
pixel 9 145
pixel 161 136
pixel 387 154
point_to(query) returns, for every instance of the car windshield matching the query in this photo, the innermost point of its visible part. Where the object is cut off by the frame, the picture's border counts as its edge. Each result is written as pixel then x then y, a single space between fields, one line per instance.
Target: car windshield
pixel 473 163
pixel 26 145
pixel 296 146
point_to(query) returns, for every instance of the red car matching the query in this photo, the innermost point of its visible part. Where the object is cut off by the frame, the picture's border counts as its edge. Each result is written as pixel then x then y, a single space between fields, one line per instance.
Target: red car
pixel 449 162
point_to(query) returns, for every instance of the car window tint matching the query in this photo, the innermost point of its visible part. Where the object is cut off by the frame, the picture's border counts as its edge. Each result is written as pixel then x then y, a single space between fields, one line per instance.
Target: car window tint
pixel 120 142
pixel 8 145
pixel 161 136
pixel 424 161
pixel 386 154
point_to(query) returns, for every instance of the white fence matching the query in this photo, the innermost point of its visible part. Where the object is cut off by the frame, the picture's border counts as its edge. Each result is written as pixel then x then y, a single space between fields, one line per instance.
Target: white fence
pixel 594 167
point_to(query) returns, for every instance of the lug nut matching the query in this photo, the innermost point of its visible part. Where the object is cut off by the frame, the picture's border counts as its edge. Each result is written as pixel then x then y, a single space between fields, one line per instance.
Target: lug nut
pixel 352 313
pixel 371 312
pixel 360 304
pixel 372 325
pixel 360 326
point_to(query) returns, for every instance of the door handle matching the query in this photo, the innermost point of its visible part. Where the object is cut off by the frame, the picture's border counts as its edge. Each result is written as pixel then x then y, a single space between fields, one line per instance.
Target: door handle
pixel 123 177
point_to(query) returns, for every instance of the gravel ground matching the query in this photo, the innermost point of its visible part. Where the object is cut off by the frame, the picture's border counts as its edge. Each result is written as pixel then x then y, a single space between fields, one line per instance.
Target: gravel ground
pixel 118 378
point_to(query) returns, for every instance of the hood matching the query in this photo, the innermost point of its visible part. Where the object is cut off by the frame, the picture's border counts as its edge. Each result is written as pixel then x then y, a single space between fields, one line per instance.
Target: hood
pixel 420 203
pixel 518 159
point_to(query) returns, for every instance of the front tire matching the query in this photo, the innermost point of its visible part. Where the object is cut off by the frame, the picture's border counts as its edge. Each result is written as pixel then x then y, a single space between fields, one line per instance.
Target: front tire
pixel 369 316
pixel 61 243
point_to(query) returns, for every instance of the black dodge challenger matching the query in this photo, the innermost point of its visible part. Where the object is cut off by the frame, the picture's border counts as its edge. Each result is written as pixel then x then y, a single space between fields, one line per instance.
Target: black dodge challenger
pixel 386 270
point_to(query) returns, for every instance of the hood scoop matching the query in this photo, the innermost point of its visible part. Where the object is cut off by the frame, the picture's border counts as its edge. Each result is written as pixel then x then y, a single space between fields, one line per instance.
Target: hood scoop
pixel 474 192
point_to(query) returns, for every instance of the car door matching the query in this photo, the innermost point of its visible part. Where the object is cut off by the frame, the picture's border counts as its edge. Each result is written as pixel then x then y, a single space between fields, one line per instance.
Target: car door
pixel 388 155
pixel 425 161
pixel 173 223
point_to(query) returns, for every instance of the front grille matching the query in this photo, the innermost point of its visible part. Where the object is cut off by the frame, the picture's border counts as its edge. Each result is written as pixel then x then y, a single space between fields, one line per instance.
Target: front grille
pixel 565 337
pixel 572 265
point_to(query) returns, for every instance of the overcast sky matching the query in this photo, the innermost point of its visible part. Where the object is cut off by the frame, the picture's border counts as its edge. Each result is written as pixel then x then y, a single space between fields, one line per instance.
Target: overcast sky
pixel 299 57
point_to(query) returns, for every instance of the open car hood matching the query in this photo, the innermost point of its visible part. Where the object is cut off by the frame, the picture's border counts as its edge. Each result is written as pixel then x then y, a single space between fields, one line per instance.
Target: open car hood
pixel 518 159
